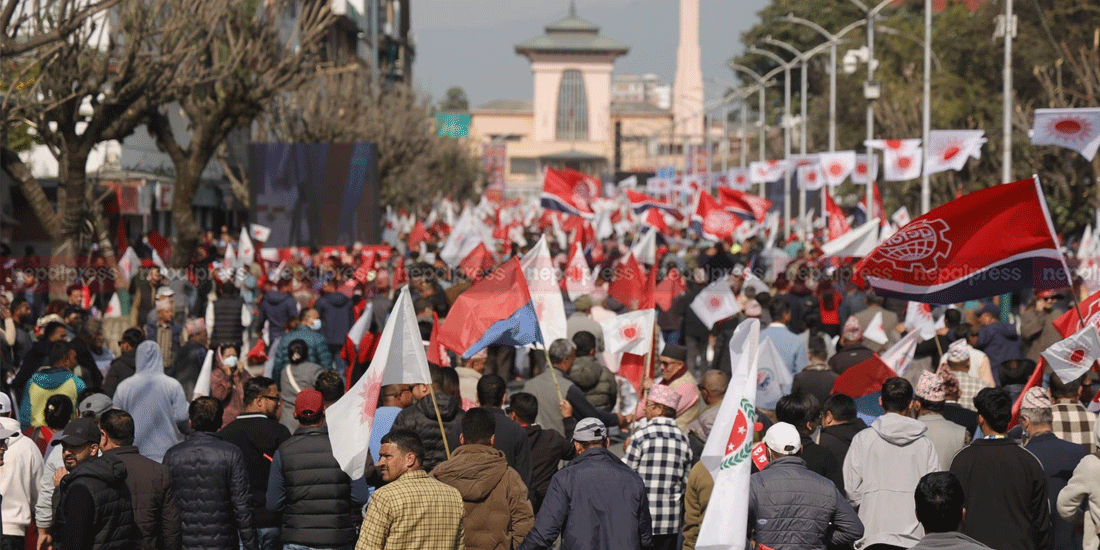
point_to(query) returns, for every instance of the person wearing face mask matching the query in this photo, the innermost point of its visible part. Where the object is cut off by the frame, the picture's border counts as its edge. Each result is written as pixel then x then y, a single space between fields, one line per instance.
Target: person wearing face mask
pixel 227 381
pixel 307 329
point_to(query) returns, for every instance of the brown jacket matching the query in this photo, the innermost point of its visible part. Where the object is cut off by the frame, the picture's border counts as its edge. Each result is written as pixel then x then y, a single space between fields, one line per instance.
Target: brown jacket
pixel 498 513
pixel 699 486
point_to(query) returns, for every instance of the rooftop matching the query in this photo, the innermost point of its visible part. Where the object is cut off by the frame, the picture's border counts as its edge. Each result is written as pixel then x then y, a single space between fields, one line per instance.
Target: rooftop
pixel 512 105
pixel 572 34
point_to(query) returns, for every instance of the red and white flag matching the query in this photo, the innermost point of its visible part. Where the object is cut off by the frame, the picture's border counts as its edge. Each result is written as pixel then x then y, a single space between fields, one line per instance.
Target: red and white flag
pixel 810 177
pixel 655 219
pixel 745 205
pixel 356 341
pixel 767 171
pixel 246 252
pixel 918 319
pixel 715 302
pixel 900 146
pixel 645 248
pixel 738 178
pixel 1074 356
pixel 1077 129
pixel 569 191
pixel 837 166
pixel 901 166
pixel 629 332
pixel 950 149
pixel 260 233
pixel 866 169
pixel 838 222
pixel 876 330
pixel 1070 322
pixel 399 359
pixel 900 355
pixel 578 276
pixel 901 216
pixel 856 243
pixel 114 308
pixel 711 221
pixel 988 242
pixel 542 282
pixel 727 454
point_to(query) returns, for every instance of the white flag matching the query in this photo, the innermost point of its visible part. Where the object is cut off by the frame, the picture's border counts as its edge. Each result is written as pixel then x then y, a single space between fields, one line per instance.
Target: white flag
pixel 579 279
pixel 360 328
pixel 918 318
pixel 901 216
pixel 202 383
pixel 837 166
pixel 715 302
pixel 856 243
pixel 774 379
pixel 645 247
pixel 1074 356
pixel 630 182
pixel 901 146
pixel 810 177
pixel 866 169
pixel 728 451
pixel 900 356
pixel 629 332
pixel 950 149
pixel 752 281
pixel 462 241
pixel 1077 129
pixel 246 253
pixel 128 263
pixel 230 259
pixel 259 232
pixel 542 280
pixel 876 330
pixel 738 178
pixel 901 166
pixel 399 359
pixel 114 309
pixel 767 171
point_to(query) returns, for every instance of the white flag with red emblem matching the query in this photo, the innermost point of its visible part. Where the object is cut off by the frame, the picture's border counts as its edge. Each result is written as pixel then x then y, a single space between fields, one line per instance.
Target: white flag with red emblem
pixel 837 166
pixel 899 166
pixel 260 233
pixel 727 454
pixel 900 356
pixel 1074 356
pixel 542 281
pixel 114 308
pixel 866 169
pixel 578 276
pixel 738 178
pixel 246 252
pixel 767 170
pixel 715 302
pixel 901 216
pixel 900 146
pixel 1077 129
pixel 950 149
pixel 398 359
pixel 630 332
pixel 810 177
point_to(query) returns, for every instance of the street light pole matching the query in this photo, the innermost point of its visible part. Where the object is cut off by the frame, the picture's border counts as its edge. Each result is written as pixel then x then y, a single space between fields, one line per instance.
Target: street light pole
pixel 1006 131
pixel 868 91
pixel 786 65
pixel 926 110
pixel 762 81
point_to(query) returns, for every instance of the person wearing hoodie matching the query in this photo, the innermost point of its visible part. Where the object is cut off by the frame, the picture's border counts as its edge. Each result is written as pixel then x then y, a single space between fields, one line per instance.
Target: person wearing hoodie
pixel 21 467
pixel 276 308
pixel 307 330
pixel 156 400
pixel 94 510
pixel 57 379
pixel 420 418
pixel 839 425
pixel 336 313
pixel 882 469
pixel 498 513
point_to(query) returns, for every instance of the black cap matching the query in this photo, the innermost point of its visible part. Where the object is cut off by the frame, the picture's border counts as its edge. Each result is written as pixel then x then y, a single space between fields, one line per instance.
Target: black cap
pixel 78 432
pixel 672 351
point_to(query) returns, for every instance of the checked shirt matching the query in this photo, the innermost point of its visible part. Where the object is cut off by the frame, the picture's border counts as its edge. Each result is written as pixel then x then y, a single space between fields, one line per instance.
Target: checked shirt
pixel 1074 423
pixel 661 455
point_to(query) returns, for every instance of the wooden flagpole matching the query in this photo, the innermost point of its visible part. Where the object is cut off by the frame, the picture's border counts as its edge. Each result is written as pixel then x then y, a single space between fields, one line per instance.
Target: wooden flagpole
pixel 439 417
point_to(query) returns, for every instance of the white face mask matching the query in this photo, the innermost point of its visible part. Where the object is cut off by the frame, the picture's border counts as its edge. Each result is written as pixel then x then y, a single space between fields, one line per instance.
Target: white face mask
pixel 316 324
pixel 230 361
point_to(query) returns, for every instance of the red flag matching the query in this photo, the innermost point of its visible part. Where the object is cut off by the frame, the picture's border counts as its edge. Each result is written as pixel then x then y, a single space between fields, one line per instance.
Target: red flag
pixel 632 367
pixel 628 283
pixel 879 211
pixel 863 378
pixel 568 191
pixel 160 244
pixel 1035 379
pixel 656 220
pixel 1070 322
pixel 668 289
pixel 711 221
pixel 745 205
pixel 400 277
pixel 838 222
pixel 258 353
pixel 417 235
pixel 477 262
pixel 649 292
pixel 437 355
pixel 989 242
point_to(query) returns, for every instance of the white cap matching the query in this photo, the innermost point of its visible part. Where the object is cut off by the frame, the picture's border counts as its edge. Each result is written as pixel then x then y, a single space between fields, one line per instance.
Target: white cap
pixel 783 438
pixel 5 403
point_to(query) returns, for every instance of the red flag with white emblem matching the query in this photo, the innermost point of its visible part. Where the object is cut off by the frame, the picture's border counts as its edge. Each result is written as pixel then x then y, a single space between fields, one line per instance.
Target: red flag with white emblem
pixel 1077 129
pixel 838 222
pixel 711 221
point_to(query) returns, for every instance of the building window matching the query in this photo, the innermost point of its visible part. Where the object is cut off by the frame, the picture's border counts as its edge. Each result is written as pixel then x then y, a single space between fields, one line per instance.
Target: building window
pixel 572 107
pixel 520 165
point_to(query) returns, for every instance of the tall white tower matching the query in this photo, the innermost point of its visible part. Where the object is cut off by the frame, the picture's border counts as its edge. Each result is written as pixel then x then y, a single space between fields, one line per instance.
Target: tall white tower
pixel 687 90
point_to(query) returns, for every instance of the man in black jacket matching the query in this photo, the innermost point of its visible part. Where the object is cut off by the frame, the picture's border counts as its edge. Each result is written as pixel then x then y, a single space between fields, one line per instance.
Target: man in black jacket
pixel 156 517
pixel 211 484
pixel 94 510
pixel 316 498
pixel 839 424
pixel 802 410
pixel 548 447
pixel 510 437
pixel 258 433
pixel 1005 486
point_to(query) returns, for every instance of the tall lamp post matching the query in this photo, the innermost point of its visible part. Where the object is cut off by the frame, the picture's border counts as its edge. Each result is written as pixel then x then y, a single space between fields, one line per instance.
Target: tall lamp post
pixel 762 82
pixel 786 65
pixel 871 89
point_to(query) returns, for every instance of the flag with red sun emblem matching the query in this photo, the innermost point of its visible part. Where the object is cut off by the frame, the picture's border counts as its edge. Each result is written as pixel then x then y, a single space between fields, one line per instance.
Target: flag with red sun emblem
pixel 738 178
pixel 715 302
pixel 950 149
pixel 767 170
pixel 837 166
pixel 1077 129
pixel 866 169
pixel 629 332
pixel 727 454
pixel 810 177
pixel 1074 356
pixel 901 166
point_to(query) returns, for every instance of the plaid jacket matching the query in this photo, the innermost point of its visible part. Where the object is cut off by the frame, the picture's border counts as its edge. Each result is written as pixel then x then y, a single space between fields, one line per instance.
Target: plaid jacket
pixel 661 455
pixel 969 386
pixel 1074 423
pixel 414 512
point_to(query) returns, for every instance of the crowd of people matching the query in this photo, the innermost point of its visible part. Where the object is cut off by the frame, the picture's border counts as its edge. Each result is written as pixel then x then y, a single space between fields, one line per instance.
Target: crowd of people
pixel 135 444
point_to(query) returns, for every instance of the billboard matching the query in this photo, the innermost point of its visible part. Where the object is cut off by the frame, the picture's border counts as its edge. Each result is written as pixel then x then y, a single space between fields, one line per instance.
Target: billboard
pixel 316 194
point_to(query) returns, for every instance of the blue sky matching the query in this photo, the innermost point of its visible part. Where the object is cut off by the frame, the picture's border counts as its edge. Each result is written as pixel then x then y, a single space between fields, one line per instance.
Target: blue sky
pixel 469 43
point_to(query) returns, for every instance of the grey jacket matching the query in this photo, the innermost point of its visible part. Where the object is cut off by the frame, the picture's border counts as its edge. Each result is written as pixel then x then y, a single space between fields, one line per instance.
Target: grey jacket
pixel 948 437
pixel 793 508
pixel 598 383
pixel 951 540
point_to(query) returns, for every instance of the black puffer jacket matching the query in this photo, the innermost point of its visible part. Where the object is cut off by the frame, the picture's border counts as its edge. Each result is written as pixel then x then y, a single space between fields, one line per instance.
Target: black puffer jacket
pixel 276 308
pixel 155 514
pixel 420 418
pixel 318 509
pixel 598 383
pixel 792 507
pixel 211 485
pixel 111 525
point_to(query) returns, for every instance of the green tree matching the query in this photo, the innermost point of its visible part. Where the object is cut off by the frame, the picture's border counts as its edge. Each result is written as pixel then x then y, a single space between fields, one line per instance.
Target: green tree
pixel 455 100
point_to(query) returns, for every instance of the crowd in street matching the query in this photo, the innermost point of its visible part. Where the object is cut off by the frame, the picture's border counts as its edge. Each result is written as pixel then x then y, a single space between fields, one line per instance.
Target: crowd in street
pixel 137 445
